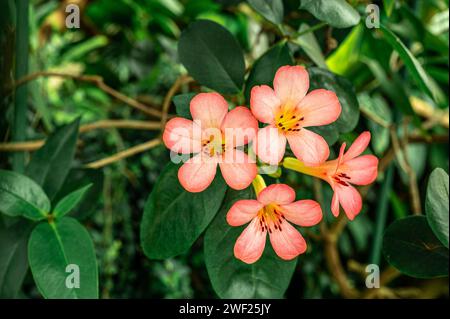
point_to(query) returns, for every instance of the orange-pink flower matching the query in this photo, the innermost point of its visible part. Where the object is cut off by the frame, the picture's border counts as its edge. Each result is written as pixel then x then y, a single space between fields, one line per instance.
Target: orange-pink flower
pixel 349 168
pixel 288 110
pixel 213 136
pixel 271 213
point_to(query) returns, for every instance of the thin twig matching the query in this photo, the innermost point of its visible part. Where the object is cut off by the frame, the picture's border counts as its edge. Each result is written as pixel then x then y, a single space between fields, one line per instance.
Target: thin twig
pixel 183 79
pixel 124 154
pixel 97 81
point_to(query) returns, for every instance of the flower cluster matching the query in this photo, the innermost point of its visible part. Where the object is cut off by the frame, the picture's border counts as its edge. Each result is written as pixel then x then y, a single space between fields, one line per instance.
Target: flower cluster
pixel 217 137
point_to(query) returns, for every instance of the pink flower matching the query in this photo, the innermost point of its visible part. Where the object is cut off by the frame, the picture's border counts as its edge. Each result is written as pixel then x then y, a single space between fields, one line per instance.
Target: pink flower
pixel 288 110
pixel 270 213
pixel 349 168
pixel 213 135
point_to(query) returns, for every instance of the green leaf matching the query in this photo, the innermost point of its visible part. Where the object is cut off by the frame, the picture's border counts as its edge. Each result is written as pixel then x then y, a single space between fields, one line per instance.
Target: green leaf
pixel 182 104
pixel 13 256
pixel 347 121
pixel 78 178
pixel 309 44
pixel 410 246
pixel 50 164
pixel 21 196
pixel 271 10
pixel 269 277
pixel 174 218
pixel 388 6
pixel 423 80
pixel 212 56
pixel 436 204
pixel 266 66
pixel 70 201
pixel 337 13
pixel 52 248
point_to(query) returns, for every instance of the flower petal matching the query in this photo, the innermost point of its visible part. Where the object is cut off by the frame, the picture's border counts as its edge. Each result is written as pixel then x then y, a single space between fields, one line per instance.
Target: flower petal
pixel 243 211
pixel 250 244
pixel 303 212
pixel 359 145
pixel 350 200
pixel 308 147
pixel 239 127
pixel 197 173
pixel 362 170
pixel 291 84
pixel 182 136
pixel 335 204
pixel 269 145
pixel 319 107
pixel 209 109
pixel 238 169
pixel 280 194
pixel 287 242
pixel 264 103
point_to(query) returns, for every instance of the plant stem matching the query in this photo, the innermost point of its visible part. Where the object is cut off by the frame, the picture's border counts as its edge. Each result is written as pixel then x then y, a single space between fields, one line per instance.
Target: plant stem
pixel 258 184
pixel 309 30
pixel 20 107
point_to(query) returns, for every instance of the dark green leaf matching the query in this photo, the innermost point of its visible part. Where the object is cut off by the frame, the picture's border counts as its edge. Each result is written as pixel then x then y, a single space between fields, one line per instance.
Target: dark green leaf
pixel 51 248
pixel 78 178
pixel 232 278
pixel 272 10
pixel 423 80
pixel 309 44
pixel 212 56
pixel 71 200
pixel 266 66
pixel 182 104
pixel 50 164
pixel 13 256
pixel 174 218
pixel 347 121
pixel 410 246
pixel 436 204
pixel 337 13
pixel 21 196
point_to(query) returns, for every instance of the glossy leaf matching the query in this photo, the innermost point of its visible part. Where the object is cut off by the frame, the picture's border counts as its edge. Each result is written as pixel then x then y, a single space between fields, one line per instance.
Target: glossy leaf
pixel 71 200
pixel 410 246
pixel 50 164
pixel 271 10
pixel 212 56
pixel 21 196
pixel 182 104
pixel 13 256
pixel 436 204
pixel 309 44
pixel 55 250
pixel 174 218
pixel 337 13
pixel 266 66
pixel 232 278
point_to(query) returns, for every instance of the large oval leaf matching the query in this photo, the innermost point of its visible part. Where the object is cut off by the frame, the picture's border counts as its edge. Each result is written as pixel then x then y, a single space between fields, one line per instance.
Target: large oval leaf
pixel 410 246
pixel 174 218
pixel 21 196
pixel 269 277
pixel 271 10
pixel 436 204
pixel 347 121
pixel 50 164
pixel 266 66
pixel 337 13
pixel 52 248
pixel 212 56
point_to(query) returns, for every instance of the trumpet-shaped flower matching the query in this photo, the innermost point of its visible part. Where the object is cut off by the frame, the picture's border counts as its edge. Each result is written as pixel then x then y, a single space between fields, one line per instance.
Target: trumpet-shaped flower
pixel 270 214
pixel 349 168
pixel 213 136
pixel 288 110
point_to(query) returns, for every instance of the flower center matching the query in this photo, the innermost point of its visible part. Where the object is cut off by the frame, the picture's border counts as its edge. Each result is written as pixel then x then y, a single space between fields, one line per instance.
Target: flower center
pixel 270 217
pixel 213 146
pixel 341 178
pixel 288 119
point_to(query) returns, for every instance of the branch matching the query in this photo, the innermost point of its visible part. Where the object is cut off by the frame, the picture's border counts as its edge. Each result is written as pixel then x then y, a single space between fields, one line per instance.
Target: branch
pixel 124 154
pixel 183 79
pixel 98 82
